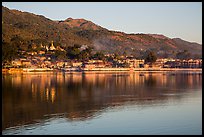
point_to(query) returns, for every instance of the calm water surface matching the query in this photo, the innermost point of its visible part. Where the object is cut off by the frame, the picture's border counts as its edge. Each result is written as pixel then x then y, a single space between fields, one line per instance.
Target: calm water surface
pixel 102 103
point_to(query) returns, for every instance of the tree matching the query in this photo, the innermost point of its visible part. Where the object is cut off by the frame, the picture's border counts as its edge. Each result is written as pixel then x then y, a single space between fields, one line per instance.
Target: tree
pixel 99 55
pixel 73 52
pixel 9 52
pixel 60 55
pixel 116 56
pixel 85 54
pixel 183 55
pixel 151 57
pixel 125 53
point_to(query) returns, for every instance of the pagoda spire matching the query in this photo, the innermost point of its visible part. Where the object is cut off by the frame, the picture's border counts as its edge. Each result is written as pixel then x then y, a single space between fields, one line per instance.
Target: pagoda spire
pixel 52 47
pixel 52 43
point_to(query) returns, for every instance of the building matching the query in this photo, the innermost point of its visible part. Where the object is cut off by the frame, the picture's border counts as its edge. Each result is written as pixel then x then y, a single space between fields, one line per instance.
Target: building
pixel 99 64
pixel 135 63
pixel 191 63
pixel 89 66
pixel 59 48
pixel 172 64
pixel 47 63
pixel 52 47
pixel 60 64
pixel 26 63
pixel 41 52
pixel 76 64
pixel 16 63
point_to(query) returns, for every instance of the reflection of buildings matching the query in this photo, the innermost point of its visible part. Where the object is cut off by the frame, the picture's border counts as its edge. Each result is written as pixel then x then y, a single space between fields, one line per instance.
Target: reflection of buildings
pixel 82 96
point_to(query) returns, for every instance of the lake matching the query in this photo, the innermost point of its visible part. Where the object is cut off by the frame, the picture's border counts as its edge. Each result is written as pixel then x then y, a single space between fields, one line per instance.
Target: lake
pixel 114 103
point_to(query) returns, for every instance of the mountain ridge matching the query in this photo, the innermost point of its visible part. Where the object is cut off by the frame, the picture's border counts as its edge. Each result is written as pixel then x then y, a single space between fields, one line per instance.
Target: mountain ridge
pixel 71 31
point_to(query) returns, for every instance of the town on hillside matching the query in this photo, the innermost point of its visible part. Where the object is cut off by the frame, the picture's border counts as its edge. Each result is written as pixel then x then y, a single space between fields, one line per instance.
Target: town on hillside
pixel 84 58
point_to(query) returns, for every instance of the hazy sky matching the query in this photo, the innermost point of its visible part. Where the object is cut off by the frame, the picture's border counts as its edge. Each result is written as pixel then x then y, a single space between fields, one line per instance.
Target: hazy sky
pixel 172 19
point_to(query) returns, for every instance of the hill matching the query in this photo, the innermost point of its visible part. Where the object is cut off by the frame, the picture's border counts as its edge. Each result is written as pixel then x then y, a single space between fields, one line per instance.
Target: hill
pixel 30 28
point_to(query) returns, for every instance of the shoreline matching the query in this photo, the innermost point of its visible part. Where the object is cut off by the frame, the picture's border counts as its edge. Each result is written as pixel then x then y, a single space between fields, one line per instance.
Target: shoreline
pixel 28 70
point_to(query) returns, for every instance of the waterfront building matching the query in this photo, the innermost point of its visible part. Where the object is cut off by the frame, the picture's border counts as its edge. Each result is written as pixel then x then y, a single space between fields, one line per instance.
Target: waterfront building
pixel 191 63
pixel 135 63
pixel 76 64
pixel 26 63
pixel 89 66
pixel 16 63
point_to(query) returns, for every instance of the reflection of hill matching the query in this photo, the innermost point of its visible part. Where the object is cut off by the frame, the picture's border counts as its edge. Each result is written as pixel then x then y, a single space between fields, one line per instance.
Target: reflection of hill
pixel 80 96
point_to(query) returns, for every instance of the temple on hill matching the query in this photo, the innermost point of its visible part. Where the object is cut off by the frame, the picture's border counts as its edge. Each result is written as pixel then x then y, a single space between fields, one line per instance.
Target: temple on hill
pixel 52 47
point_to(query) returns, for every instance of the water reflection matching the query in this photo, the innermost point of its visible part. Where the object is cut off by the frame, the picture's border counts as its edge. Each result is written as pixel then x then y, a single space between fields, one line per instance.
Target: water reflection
pixel 30 98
